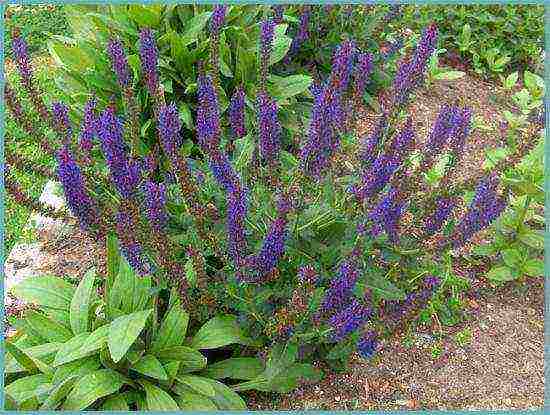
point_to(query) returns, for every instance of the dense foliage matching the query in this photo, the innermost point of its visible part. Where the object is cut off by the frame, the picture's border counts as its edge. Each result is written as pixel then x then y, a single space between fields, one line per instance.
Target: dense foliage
pixel 491 38
pixel 34 23
pixel 128 349
pixel 318 241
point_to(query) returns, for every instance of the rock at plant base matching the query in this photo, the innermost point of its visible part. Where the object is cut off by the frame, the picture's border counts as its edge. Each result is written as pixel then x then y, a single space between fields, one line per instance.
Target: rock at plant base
pixel 28 258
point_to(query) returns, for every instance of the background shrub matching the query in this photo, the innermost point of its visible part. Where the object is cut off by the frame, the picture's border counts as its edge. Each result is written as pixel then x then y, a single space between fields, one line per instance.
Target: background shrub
pixel 34 23
pixel 491 38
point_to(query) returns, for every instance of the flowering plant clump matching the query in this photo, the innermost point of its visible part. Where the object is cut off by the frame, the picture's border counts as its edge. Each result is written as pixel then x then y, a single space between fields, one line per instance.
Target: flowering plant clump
pixel 319 244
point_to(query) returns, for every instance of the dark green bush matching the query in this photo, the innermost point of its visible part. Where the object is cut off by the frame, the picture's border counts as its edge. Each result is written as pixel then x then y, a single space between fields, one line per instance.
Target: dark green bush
pixel 34 23
pixel 491 38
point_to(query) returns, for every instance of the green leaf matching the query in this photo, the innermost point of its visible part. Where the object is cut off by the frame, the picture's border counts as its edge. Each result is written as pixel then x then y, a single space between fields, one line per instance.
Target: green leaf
pixel 500 274
pixel 532 239
pixel 28 387
pixel 511 80
pixel 58 315
pixel 92 387
pixel 82 345
pixel 449 75
pixel 172 369
pixel 45 291
pixel 80 304
pixel 188 401
pixel 43 352
pixel 282 88
pixel 218 332
pixel 172 329
pixel 150 366
pixel 22 357
pixel 79 368
pixel 198 384
pixel 190 359
pixel 130 293
pixel 194 27
pixel 146 16
pixel 71 57
pixel 534 267
pixel 281 46
pixel 124 331
pixel 185 115
pixel 532 82
pixel 225 398
pixel 58 393
pixel 244 368
pixel 190 273
pixel 484 250
pixel 47 329
pixel 158 399
pixel 512 257
pixel 115 403
pixel 384 288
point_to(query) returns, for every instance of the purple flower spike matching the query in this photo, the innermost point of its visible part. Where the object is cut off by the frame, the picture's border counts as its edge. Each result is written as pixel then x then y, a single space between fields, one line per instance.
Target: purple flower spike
pixel 278 14
pixel 486 206
pixel 366 346
pixel 125 173
pixel 115 49
pixel 341 287
pixel 236 113
pixel 62 122
pixel 440 131
pixel 386 215
pixel 224 173
pixel 404 141
pixel 363 70
pixel 410 73
pixel 149 60
pixel 349 319
pixel 376 176
pixel 218 17
pixel 208 115
pixel 302 34
pixel 261 265
pixel 443 209
pixel 431 282
pixel 369 144
pixel 269 128
pixel 267 31
pixel 237 206
pixel 155 202
pixel 89 127
pixel 342 66
pixel 81 204
pixel 169 131
pixel 19 48
pixel 460 128
pixel 131 248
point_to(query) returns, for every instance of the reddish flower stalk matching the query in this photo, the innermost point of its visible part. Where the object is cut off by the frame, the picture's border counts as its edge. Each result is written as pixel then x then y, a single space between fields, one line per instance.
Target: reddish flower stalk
pixel 22 199
pixel 22 60
pixel 22 118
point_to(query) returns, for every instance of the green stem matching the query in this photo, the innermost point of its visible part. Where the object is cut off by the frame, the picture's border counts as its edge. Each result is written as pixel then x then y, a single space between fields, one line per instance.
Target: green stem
pixel 524 212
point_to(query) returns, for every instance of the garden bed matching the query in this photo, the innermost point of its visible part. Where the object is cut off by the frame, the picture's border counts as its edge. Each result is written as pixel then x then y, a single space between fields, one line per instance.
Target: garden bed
pixel 499 365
